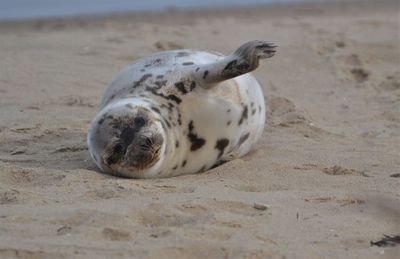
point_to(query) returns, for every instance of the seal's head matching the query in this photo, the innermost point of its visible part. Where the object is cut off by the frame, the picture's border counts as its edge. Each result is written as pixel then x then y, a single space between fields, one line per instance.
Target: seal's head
pixel 127 140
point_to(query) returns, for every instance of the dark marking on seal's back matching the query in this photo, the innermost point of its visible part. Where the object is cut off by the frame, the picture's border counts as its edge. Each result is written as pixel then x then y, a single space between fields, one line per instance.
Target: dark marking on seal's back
pixel 197 69
pixel 159 84
pixel 101 121
pixel 159 76
pixel 184 163
pixel 175 167
pixel 205 74
pixel 177 144
pixel 194 139
pixel 221 145
pixel 253 111
pixel 141 80
pixel 182 54
pixel 244 115
pixel 187 63
pixel 243 138
pixel 167 97
pixel 228 123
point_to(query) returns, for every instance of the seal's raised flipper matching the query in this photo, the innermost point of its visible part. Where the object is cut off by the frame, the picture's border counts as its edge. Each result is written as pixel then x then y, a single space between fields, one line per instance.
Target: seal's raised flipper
pixel 243 60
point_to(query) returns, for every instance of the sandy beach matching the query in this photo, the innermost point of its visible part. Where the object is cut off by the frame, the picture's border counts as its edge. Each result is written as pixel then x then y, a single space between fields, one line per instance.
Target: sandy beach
pixel 327 166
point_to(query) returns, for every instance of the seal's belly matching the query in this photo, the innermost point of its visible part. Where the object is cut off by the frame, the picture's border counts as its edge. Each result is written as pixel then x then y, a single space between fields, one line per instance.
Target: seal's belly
pixel 230 118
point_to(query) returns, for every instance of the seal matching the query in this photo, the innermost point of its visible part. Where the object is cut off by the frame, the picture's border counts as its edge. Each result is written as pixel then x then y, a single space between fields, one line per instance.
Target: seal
pixel 180 112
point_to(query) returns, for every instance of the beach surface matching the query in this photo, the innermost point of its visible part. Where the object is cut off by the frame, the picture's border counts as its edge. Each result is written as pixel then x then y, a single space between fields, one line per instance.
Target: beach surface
pixel 326 168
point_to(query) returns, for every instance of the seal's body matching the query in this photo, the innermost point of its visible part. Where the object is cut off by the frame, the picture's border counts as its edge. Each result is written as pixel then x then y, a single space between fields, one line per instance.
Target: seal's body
pixel 180 112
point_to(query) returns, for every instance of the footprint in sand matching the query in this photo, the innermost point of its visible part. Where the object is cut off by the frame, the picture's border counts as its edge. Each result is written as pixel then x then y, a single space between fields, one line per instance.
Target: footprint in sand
pixel 116 234
pixel 283 112
pixel 159 215
pixel 167 45
pixel 391 83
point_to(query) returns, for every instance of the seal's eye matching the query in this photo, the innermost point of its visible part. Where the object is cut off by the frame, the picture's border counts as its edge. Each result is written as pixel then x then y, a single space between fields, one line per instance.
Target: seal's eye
pixel 119 148
pixel 139 121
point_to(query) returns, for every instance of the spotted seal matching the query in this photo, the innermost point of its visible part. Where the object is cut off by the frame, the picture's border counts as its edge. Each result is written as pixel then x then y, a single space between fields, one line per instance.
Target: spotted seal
pixel 180 112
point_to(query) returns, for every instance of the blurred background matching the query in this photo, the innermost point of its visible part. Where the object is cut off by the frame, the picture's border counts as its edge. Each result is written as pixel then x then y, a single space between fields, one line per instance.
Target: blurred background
pixel 27 9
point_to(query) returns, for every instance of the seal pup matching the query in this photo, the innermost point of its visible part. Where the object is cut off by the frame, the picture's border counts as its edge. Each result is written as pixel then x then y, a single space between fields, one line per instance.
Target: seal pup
pixel 180 112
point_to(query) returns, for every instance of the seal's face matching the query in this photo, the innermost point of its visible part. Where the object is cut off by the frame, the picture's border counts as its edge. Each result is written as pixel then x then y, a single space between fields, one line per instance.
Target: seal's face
pixel 127 140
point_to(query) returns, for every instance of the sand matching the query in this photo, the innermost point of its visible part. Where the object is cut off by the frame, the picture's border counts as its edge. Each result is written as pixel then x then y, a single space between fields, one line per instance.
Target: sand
pixel 327 166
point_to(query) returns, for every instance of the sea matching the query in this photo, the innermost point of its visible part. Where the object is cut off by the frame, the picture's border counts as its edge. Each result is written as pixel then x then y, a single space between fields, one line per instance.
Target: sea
pixel 11 10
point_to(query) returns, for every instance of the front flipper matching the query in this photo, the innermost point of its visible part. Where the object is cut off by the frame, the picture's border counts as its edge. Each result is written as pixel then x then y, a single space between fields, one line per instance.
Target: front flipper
pixel 244 60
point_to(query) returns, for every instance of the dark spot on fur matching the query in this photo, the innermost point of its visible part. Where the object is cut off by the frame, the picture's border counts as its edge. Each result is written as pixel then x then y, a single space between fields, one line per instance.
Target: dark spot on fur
pixel 175 167
pixel 177 144
pixel 112 97
pixel 155 109
pixel 197 69
pixel 100 121
pixel 244 115
pixel 184 163
pixel 182 54
pixel 179 119
pixel 192 85
pixel 142 70
pixel 167 97
pixel 253 111
pixel 141 80
pixel 159 76
pixel 203 168
pixel 205 74
pixel 230 65
pixel 196 142
pixel 174 98
pixel 243 138
pixel 160 84
pixel 170 107
pixel 259 108
pixel 181 87
pixel 251 104
pixel 221 145
pixel 229 110
pixel 147 65
pixel 187 63
pixel 228 123
pixel 168 124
